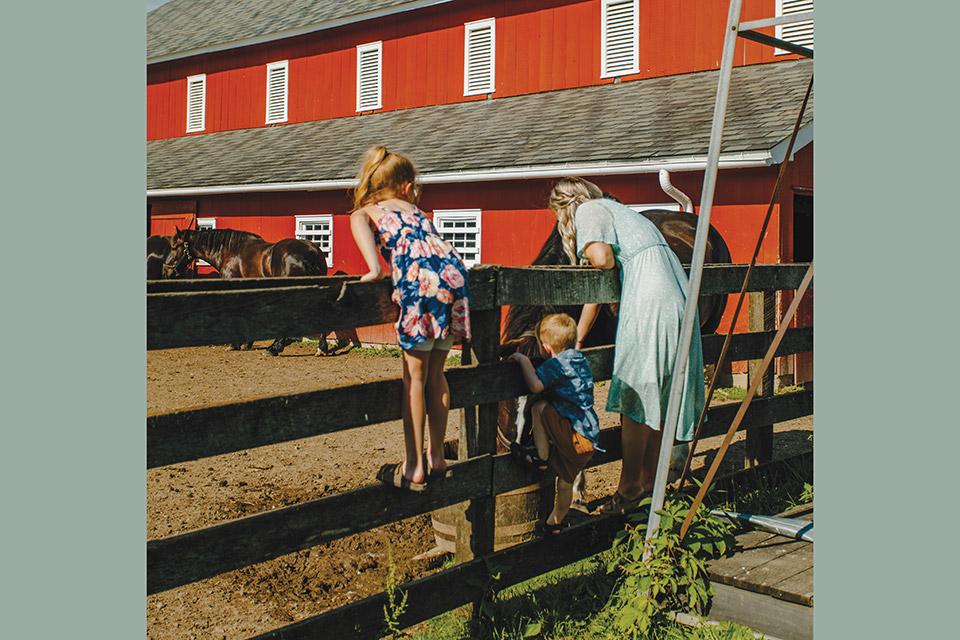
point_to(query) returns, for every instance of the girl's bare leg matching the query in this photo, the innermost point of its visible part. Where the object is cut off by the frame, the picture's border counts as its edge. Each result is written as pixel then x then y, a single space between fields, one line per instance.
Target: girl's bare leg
pixel 562 503
pixel 438 408
pixel 415 369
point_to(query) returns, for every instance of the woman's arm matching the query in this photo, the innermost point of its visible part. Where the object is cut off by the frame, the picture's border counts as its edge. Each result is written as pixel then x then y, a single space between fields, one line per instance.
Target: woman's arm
pixel 600 255
pixel 587 318
pixel 363 236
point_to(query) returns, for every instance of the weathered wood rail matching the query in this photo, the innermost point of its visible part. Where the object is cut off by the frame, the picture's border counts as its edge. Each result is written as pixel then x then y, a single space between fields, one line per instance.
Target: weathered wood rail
pixel 203 312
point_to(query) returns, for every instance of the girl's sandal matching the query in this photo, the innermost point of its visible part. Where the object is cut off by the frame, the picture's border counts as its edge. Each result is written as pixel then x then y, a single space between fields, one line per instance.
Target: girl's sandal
pixel 433 474
pixel 392 474
pixel 528 456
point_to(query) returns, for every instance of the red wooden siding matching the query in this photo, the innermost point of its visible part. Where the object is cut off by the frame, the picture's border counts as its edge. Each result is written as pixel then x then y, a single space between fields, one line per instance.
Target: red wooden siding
pixel 541 45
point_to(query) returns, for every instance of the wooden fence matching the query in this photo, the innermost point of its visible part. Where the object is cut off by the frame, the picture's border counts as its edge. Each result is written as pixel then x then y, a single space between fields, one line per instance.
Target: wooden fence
pixel 206 312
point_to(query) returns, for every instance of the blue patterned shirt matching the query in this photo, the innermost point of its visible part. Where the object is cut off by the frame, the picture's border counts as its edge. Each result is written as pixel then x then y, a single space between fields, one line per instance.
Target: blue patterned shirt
pixel 568 386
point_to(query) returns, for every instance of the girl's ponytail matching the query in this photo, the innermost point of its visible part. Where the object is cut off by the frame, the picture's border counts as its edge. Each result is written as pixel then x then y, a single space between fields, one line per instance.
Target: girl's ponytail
pixel 382 176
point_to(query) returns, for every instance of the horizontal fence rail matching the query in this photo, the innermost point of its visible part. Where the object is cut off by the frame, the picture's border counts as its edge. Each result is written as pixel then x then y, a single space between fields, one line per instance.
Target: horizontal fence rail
pixel 212 311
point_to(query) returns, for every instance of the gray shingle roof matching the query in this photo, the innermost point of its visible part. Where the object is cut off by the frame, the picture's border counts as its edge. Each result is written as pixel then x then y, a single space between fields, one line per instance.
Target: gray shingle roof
pixel 186 25
pixel 634 121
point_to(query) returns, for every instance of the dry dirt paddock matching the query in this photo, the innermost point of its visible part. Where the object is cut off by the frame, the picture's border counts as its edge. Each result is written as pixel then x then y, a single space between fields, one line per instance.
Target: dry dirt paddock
pixel 200 493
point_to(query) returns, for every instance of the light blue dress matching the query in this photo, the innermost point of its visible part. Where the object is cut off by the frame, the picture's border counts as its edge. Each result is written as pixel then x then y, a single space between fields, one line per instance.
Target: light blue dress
pixel 653 294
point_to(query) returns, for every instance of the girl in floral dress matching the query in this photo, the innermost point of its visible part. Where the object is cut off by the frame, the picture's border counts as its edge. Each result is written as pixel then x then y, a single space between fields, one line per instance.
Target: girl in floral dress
pixel 431 288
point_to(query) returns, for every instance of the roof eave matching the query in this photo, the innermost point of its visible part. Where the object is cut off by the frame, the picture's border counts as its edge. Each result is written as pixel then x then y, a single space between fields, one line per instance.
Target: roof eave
pixel 299 31
pixel 739 160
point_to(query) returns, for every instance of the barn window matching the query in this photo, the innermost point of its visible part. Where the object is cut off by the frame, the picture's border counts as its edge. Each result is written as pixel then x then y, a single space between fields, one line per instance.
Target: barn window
pixel 478 58
pixel 799 33
pixel 277 92
pixel 196 102
pixel 369 76
pixel 461 228
pixel 619 38
pixel 318 229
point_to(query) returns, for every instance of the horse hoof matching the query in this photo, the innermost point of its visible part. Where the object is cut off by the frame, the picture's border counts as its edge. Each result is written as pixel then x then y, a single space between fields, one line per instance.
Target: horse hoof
pixel 233 347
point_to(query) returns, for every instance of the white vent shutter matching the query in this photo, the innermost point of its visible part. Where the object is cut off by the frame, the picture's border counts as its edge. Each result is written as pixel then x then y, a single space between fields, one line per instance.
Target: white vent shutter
pixel 479 58
pixel 196 102
pixel 799 33
pixel 277 92
pixel 461 228
pixel 619 38
pixel 318 229
pixel 369 78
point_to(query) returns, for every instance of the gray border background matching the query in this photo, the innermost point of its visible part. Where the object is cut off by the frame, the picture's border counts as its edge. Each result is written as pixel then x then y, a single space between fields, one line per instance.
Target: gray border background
pixel 74 361
pixel 74 388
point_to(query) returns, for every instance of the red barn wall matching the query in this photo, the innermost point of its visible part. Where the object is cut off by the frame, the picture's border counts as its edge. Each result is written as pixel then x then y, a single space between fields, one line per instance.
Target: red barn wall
pixel 541 45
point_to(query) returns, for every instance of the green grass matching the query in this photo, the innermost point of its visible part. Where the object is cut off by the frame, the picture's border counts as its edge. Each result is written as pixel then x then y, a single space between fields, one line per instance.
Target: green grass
pixel 453 360
pixel 737 394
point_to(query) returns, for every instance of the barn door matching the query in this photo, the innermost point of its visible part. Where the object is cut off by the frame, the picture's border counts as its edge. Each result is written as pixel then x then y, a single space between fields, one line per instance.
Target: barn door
pixel 168 223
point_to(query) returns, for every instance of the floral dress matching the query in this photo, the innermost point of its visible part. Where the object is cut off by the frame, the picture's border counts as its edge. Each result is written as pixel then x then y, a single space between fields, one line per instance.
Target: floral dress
pixel 429 279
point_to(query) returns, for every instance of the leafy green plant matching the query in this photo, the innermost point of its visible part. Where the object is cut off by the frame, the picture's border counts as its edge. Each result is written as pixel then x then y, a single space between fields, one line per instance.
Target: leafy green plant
pixel 396 598
pixel 674 577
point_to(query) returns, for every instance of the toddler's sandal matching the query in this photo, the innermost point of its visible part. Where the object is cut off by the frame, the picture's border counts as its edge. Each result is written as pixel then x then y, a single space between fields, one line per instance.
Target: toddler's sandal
pixel 528 456
pixel 554 529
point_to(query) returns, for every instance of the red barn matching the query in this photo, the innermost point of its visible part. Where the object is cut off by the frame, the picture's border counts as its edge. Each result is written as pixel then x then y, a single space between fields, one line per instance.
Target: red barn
pixel 258 112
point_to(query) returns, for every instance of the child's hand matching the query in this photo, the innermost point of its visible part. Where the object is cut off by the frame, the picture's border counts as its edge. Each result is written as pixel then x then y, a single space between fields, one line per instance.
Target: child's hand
pixel 372 275
pixel 516 356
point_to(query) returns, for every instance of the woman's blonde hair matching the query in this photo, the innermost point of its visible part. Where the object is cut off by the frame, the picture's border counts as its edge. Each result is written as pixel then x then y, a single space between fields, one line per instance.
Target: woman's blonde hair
pixel 382 176
pixel 567 195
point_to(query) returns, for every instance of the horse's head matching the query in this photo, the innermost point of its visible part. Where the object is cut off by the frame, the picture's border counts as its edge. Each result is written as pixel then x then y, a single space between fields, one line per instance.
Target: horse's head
pixel 181 253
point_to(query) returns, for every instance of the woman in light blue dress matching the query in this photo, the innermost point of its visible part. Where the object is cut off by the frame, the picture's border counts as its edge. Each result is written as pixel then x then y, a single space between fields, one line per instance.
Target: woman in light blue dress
pixel 653 294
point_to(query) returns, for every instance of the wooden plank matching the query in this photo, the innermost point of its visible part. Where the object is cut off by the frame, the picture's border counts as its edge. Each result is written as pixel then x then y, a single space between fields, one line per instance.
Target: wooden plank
pixel 457 586
pixel 186 558
pixel 557 285
pixel 758 447
pixel 222 428
pixel 772 617
pixel 801 584
pixel 752 345
pixel 728 278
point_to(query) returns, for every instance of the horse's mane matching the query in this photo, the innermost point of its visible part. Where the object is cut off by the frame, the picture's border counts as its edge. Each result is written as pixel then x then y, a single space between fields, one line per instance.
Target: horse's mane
pixel 223 239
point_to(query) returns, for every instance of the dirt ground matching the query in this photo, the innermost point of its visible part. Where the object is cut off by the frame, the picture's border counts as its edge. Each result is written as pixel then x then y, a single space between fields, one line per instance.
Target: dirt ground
pixel 200 493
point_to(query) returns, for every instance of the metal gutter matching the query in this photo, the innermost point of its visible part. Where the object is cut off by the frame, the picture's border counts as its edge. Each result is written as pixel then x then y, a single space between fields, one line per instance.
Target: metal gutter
pixel 740 160
pixel 299 31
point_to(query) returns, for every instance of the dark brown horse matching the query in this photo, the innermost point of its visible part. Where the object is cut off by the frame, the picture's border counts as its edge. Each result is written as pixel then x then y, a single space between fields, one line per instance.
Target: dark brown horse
pixel 239 254
pixel 679 230
pixel 158 248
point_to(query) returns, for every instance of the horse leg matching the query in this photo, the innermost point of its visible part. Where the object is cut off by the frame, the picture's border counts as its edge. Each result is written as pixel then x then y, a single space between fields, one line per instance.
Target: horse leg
pixel 580 493
pixel 279 345
pixel 323 348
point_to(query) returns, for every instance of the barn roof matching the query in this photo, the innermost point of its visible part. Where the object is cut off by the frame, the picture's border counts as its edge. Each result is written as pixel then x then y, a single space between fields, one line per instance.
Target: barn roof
pixel 187 27
pixel 651 123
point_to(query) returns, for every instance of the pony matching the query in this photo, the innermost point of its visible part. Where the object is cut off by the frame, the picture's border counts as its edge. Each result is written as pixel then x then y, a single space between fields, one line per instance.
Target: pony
pixel 158 248
pixel 679 230
pixel 240 254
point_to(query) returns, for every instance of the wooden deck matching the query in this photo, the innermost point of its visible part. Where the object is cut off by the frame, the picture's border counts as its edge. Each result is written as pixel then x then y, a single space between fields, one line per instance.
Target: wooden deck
pixel 767 584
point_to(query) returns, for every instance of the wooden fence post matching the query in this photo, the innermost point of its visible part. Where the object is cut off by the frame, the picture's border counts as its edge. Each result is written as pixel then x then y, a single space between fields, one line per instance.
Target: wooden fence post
pixel 475 531
pixel 759 443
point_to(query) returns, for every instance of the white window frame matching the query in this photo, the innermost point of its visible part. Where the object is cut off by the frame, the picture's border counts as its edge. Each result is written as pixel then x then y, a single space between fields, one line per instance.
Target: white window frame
pixel 196 103
pixel 634 39
pixel 277 89
pixel 205 223
pixel 321 238
pixel 474 60
pixel 441 218
pixel 799 33
pixel 364 81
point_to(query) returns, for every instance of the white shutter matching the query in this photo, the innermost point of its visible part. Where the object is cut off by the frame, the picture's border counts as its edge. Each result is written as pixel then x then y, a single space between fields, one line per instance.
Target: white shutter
pixel 478 59
pixel 619 38
pixel 461 228
pixel 319 230
pixel 369 76
pixel 799 33
pixel 277 92
pixel 196 102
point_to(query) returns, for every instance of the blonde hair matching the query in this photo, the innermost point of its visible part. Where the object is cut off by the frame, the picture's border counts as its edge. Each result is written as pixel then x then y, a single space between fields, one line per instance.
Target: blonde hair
pixel 567 195
pixel 382 176
pixel 559 331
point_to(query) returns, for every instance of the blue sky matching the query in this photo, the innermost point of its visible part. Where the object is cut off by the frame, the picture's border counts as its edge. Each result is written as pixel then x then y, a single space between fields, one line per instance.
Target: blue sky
pixel 153 4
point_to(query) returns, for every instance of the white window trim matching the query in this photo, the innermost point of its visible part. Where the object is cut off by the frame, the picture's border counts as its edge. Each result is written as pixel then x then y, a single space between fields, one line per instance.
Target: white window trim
pixel 205 223
pixel 470 28
pixel 272 68
pixel 635 67
pixel 796 6
pixel 201 80
pixel 361 51
pixel 314 218
pixel 473 215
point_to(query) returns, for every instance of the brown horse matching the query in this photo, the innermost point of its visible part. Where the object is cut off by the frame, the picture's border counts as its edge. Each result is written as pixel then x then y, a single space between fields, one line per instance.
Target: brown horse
pixel 679 230
pixel 239 254
pixel 158 248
